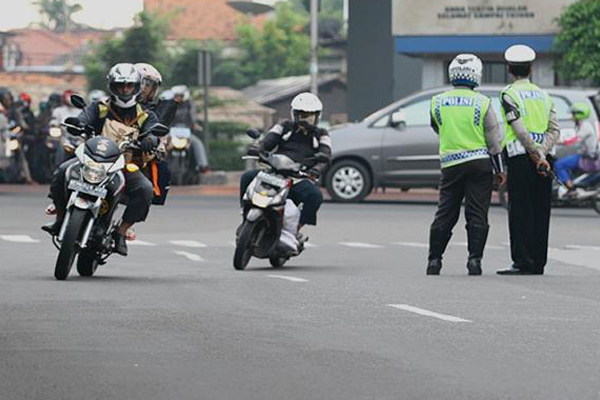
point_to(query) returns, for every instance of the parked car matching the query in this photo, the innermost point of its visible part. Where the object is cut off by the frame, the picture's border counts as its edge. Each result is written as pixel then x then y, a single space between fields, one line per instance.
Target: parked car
pixel 396 147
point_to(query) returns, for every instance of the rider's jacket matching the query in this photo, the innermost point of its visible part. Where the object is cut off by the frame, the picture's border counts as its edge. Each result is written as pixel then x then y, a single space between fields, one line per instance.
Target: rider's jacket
pixel 297 142
pixel 165 110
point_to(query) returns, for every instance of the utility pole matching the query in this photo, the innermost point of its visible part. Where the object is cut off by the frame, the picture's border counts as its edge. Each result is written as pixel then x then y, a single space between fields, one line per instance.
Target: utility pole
pixel 314 46
pixel 204 79
pixel 69 66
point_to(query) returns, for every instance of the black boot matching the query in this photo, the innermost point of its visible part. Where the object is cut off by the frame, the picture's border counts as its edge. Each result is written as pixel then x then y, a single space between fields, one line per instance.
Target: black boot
pixel 438 240
pixel 477 237
pixel 120 244
pixel 53 228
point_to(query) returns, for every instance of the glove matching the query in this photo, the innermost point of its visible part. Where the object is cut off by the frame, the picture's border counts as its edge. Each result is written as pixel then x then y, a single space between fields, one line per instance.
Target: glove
pixel 149 143
pixel 254 149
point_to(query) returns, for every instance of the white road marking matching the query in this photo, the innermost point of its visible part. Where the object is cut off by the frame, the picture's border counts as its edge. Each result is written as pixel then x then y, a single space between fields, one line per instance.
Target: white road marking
pixel 579 247
pixel 138 242
pixel 288 278
pixel 188 243
pixel 459 244
pixel 412 244
pixel 361 245
pixel 189 256
pixel 307 245
pixel 427 313
pixel 19 239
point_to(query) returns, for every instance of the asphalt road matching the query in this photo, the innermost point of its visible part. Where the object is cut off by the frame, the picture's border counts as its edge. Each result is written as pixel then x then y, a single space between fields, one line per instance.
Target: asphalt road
pixel 354 317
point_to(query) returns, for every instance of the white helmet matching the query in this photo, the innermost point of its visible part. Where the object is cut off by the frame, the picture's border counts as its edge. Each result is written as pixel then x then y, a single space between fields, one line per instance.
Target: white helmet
pixel 305 106
pixel 120 75
pixel 166 95
pixel 519 54
pixel 465 69
pixel 181 90
pixel 97 95
pixel 150 73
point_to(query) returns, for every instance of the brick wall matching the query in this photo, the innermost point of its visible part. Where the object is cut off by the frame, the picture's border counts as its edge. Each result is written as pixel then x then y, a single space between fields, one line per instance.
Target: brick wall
pixel 41 85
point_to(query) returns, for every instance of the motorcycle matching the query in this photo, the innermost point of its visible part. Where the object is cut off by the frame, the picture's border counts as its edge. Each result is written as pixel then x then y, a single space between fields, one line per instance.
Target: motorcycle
pixel 50 155
pixel 266 207
pixel 14 162
pixel 181 157
pixel 96 184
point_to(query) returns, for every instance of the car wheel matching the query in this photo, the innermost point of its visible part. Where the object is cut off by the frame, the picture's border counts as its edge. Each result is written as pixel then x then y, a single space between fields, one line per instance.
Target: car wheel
pixel 348 181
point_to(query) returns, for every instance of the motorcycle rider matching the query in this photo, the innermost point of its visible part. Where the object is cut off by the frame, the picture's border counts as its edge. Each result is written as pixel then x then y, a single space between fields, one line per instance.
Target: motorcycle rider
pixel 299 139
pixel 14 116
pixel 124 83
pixel 186 116
pixel 165 109
pixel 469 140
pixel 97 95
pixel 588 140
pixel 59 114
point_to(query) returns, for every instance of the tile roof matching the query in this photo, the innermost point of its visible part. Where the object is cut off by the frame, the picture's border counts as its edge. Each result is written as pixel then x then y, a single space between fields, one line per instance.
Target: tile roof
pixel 200 19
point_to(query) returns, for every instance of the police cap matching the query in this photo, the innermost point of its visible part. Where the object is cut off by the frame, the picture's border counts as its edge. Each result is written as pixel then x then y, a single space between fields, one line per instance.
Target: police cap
pixel 519 54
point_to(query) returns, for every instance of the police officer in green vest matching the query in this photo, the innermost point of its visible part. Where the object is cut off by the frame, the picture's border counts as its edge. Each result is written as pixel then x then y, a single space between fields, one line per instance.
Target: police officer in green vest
pixel 531 133
pixel 469 140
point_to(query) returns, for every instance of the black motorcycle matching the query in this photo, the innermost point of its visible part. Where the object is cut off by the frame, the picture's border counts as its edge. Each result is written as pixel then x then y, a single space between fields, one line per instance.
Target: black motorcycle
pixel 264 205
pixel 14 162
pixel 96 186
pixel 181 160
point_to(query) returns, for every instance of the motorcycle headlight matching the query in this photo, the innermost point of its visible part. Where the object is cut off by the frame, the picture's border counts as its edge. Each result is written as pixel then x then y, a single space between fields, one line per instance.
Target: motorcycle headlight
pixel 55 132
pixel 179 143
pixel 13 144
pixel 93 172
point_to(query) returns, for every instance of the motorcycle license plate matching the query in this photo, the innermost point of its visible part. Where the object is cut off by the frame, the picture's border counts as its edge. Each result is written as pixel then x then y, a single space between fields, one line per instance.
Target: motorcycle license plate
pixel 86 188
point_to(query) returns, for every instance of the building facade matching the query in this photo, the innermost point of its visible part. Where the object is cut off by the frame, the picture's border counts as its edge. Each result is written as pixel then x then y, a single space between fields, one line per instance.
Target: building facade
pixel 417 39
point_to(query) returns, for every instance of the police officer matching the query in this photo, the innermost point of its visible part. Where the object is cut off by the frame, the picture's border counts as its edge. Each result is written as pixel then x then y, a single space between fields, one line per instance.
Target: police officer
pixel 531 133
pixel 469 139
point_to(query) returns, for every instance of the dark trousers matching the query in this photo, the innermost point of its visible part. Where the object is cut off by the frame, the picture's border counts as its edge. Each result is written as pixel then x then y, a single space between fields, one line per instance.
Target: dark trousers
pixel 471 181
pixel 529 196
pixel 138 188
pixel 304 192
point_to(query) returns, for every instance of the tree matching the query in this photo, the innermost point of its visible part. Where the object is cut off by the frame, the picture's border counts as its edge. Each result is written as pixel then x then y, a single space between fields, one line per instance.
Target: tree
pixel 579 41
pixel 281 48
pixel 144 42
pixel 57 13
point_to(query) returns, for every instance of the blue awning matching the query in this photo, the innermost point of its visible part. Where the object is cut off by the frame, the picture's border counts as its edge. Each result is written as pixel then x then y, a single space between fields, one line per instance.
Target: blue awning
pixel 470 44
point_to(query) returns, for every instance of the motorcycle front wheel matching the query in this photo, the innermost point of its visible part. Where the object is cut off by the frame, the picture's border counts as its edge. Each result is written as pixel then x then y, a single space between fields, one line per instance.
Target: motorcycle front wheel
pixel 68 247
pixel 87 264
pixel 243 248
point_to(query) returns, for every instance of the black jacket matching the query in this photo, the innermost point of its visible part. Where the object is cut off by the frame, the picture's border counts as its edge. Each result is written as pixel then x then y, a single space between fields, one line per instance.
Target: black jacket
pixel 297 143
pixel 91 116
pixel 165 110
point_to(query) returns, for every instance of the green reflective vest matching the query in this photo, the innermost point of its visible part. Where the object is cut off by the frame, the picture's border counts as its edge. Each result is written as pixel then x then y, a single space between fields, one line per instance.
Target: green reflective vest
pixel 460 115
pixel 535 106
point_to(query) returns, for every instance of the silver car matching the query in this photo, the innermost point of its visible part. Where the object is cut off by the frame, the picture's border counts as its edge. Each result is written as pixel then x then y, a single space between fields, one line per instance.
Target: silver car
pixel 395 147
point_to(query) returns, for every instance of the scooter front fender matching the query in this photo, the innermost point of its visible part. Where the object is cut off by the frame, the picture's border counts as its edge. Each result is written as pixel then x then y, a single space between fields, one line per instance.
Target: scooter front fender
pixel 254 214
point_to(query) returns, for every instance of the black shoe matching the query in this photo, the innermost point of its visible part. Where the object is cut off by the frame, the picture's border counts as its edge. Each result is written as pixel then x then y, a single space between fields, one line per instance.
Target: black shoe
pixel 120 244
pixel 434 266
pixel 474 266
pixel 517 271
pixel 53 228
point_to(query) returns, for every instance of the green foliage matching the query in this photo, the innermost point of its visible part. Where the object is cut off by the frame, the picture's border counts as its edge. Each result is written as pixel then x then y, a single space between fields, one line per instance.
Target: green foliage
pixel 579 41
pixel 226 155
pixel 143 42
pixel 57 14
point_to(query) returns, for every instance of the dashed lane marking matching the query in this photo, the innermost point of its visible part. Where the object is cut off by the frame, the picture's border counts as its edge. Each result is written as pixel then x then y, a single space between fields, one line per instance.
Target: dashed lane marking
pixel 188 243
pixel 138 242
pixel 288 278
pixel 307 245
pixel 427 313
pixel 411 244
pixel 579 247
pixel 19 239
pixel 189 256
pixel 361 245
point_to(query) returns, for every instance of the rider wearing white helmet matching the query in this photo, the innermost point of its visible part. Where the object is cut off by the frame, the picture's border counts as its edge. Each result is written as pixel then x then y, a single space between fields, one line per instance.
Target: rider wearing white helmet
pixel 125 113
pixel 469 140
pixel 531 133
pixel 151 81
pixel 299 139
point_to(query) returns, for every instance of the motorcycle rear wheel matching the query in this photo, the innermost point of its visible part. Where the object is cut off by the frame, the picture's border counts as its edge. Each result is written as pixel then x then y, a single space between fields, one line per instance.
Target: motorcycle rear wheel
pixel 87 264
pixel 278 262
pixel 68 248
pixel 243 248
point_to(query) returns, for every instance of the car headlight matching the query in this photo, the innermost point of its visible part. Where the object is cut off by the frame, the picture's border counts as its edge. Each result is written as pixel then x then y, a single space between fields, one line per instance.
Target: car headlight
pixel 179 143
pixel 55 132
pixel 13 144
pixel 93 172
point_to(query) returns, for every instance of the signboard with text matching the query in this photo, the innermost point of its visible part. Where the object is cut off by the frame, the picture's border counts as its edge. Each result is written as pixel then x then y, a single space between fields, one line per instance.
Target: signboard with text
pixel 476 17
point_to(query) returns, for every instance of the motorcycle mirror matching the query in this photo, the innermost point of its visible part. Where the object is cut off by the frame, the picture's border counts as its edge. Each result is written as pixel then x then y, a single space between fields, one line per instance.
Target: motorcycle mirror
pixel 78 101
pixel 253 133
pixel 159 130
pixel 72 121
